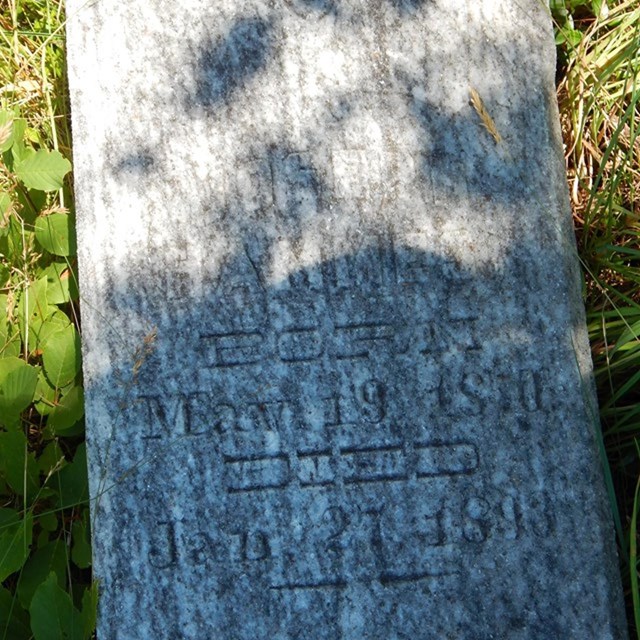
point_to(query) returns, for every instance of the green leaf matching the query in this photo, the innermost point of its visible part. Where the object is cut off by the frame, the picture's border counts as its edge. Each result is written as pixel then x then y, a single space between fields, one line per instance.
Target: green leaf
pixel 31 204
pixel 33 310
pixel 9 332
pixel 56 233
pixel 61 356
pixel 18 148
pixel 62 284
pixel 52 557
pixel 569 35
pixel 17 466
pixel 14 621
pixel 51 458
pixel 68 411
pixel 11 130
pixel 15 540
pixel 17 385
pixel 43 170
pixel 81 550
pixel 56 320
pixel 90 609
pixel 629 340
pixel 45 396
pixel 6 130
pixel 48 521
pixel 53 616
pixel 5 216
pixel 71 481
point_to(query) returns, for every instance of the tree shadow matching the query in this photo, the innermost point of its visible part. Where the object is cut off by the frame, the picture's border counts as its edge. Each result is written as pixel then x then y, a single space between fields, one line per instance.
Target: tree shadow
pixel 361 389
pixel 226 64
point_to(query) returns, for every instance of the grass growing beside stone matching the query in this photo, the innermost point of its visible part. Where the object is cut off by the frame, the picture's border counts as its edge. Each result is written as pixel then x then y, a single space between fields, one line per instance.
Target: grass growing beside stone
pixel 599 96
pixel 44 548
pixel 45 555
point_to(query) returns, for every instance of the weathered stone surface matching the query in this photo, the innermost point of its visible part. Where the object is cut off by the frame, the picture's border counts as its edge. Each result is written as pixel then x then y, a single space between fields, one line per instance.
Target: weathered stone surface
pixel 338 384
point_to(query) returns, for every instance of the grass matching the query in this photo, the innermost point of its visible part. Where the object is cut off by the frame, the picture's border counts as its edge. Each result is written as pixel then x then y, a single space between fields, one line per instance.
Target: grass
pixel 44 548
pixel 599 97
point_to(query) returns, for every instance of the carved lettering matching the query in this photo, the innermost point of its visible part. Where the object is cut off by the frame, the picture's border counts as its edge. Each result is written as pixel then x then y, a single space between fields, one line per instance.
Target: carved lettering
pixel 253 546
pixel 446 459
pixel 374 464
pixel 476 522
pixel 315 469
pixel 264 416
pixel 296 185
pixel 253 186
pixel 372 396
pixel 233 349
pixel 300 345
pixel 358 340
pixel 255 473
pixel 165 415
pixel 162 554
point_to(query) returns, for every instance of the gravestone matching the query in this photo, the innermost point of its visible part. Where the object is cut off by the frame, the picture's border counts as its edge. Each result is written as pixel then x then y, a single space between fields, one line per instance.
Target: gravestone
pixel 337 376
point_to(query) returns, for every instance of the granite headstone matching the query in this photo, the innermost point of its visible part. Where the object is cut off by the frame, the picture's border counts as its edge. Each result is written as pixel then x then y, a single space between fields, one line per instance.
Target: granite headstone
pixel 337 377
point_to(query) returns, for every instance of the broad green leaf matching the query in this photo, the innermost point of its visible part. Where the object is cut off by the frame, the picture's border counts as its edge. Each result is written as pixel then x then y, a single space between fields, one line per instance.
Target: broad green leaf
pixel 48 521
pixel 81 550
pixel 6 130
pixel 43 170
pixel 5 204
pixel 33 310
pixel 68 410
pixel 53 616
pixel 12 130
pixel 17 466
pixel 5 216
pixel 56 233
pixel 61 283
pixel 51 458
pixel 5 272
pixel 56 320
pixel 14 621
pixel 17 385
pixel 42 540
pixel 52 557
pixel 45 396
pixel 9 341
pixel 8 517
pixel 15 540
pixel 18 147
pixel 71 482
pixel 32 203
pixel 61 356
pixel 9 332
pixel 90 609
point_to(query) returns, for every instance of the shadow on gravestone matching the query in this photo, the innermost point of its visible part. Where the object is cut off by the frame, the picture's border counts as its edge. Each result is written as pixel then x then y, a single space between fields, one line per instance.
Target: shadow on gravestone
pixel 408 7
pixel 350 420
pixel 320 8
pixel 224 65
pixel 406 410
pixel 414 443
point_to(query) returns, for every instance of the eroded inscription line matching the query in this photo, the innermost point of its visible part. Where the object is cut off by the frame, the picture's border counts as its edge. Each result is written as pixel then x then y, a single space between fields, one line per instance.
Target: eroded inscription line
pixel 388 579
pixel 386 463
pixel 329 584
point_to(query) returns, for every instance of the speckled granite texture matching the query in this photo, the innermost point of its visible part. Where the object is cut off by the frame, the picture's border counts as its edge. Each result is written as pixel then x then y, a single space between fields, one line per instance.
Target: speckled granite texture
pixel 338 384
